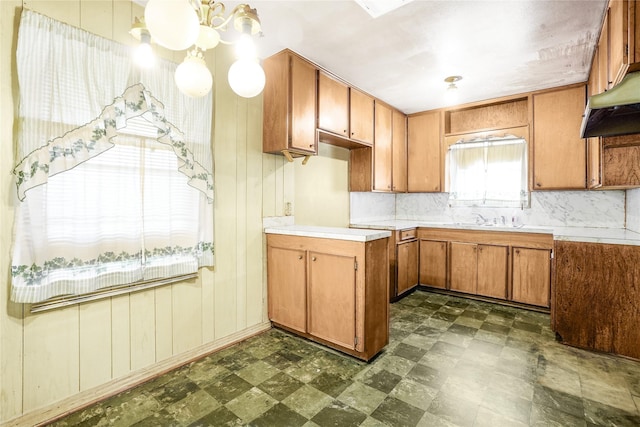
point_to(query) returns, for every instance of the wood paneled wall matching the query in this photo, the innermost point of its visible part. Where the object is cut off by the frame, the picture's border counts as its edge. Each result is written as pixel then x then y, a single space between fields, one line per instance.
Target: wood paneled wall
pixel 54 355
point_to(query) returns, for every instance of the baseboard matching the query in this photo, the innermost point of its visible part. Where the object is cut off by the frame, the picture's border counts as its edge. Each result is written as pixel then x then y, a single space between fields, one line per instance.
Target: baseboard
pixel 47 414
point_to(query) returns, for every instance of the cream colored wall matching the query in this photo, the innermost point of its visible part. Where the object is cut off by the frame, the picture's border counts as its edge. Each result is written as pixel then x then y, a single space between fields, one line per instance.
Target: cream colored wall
pixel 322 188
pixel 69 352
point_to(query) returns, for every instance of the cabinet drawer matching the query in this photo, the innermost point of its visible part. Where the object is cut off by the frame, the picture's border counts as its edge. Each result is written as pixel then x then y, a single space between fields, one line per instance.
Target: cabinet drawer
pixel 408 234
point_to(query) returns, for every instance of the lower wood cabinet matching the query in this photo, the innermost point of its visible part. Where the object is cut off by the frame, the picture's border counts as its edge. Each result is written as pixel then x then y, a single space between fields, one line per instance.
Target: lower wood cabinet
pixel 596 297
pixel 331 291
pixel 433 263
pixel 407 262
pixel 531 276
pixel 479 269
pixel 510 266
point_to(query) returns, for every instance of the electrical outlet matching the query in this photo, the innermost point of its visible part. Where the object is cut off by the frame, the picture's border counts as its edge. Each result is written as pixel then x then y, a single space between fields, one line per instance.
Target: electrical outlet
pixel 287 209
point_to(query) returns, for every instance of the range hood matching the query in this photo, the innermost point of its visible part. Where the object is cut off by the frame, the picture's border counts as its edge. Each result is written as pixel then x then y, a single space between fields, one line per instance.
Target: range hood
pixel 614 112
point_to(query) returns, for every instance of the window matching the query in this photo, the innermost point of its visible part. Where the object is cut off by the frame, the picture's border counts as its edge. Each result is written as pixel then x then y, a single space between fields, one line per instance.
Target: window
pixel 111 192
pixel 489 172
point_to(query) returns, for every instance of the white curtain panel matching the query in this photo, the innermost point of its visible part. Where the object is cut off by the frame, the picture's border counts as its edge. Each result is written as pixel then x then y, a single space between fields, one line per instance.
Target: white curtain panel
pixel 491 172
pixel 114 171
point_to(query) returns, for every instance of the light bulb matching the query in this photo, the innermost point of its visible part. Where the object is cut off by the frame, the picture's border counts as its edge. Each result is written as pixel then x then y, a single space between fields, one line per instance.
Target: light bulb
pixel 451 94
pixel 246 78
pixel 193 78
pixel 245 48
pixel 173 24
pixel 143 55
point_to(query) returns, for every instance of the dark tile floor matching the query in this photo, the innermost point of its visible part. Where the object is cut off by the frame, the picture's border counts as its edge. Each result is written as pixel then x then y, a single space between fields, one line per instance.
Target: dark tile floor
pixel 450 362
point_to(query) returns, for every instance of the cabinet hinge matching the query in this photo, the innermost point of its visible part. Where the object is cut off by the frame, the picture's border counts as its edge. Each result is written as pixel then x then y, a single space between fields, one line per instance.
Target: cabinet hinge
pixel 626 49
pixel 551 256
pixel 355 265
pixel 355 341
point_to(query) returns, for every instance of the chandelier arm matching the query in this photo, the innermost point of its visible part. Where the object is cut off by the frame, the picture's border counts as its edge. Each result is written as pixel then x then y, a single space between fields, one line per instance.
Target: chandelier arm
pixel 225 21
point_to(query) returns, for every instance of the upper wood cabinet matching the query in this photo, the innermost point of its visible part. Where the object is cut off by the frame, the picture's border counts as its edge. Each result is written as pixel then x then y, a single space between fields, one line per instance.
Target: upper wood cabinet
pixel 619 44
pixel 425 161
pixel 399 152
pixel 344 111
pixel 289 105
pixel 333 105
pixel 383 148
pixel 361 117
pixel 559 154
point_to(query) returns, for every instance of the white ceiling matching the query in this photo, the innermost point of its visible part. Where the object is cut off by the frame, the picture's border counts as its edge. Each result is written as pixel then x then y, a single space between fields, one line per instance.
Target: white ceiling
pixel 499 47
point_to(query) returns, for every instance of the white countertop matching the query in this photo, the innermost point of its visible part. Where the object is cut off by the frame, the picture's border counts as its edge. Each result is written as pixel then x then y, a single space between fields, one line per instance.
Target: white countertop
pixel 617 236
pixel 339 233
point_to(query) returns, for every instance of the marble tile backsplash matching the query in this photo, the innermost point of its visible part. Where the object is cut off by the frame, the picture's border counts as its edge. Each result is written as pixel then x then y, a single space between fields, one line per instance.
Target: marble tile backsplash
pixel 372 207
pixel 549 208
pixel 633 210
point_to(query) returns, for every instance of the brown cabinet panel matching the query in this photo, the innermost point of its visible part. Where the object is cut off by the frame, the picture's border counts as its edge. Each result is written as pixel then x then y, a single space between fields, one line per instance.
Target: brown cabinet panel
pixel 596 296
pixel 621 166
pixel 286 278
pixel 382 148
pixel 361 116
pixel 559 154
pixel 424 159
pixel 333 105
pixel 399 144
pixel 463 267
pixel 407 266
pixel 332 298
pixel 531 276
pixel 433 263
pixel 492 271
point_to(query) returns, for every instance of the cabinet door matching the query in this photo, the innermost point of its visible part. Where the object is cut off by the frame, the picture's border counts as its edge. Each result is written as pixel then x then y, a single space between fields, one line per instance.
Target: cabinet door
pixel 424 158
pixel 399 155
pixel 604 79
pixel 594 162
pixel 332 298
pixel 333 105
pixel 407 266
pixel 303 105
pixel 492 271
pixel 433 263
pixel 463 273
pixel 618 17
pixel 382 149
pixel 531 276
pixel 286 281
pixel 559 154
pixel 361 118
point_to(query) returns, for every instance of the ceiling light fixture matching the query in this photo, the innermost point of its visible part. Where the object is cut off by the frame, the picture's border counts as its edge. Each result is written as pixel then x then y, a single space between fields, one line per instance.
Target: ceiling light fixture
pixel 451 95
pixel 182 24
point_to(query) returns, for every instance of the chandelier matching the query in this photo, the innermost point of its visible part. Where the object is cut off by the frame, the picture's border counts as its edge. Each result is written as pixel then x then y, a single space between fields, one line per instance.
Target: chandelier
pixel 195 26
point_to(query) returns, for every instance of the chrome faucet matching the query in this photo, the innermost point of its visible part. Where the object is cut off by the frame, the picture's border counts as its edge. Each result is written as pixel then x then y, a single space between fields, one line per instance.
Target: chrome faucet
pixel 480 220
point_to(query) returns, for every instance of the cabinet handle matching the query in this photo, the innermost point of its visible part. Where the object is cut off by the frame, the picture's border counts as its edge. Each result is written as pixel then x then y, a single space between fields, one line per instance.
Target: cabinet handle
pixel 299 256
pixel 313 258
pixel 517 251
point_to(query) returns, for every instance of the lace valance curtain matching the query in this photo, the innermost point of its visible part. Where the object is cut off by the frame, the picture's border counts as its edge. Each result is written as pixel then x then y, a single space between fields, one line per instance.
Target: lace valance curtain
pixel 490 172
pixel 113 171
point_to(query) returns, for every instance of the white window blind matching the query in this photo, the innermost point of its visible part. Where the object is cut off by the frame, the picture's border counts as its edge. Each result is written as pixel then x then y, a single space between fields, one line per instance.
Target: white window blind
pixel 489 172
